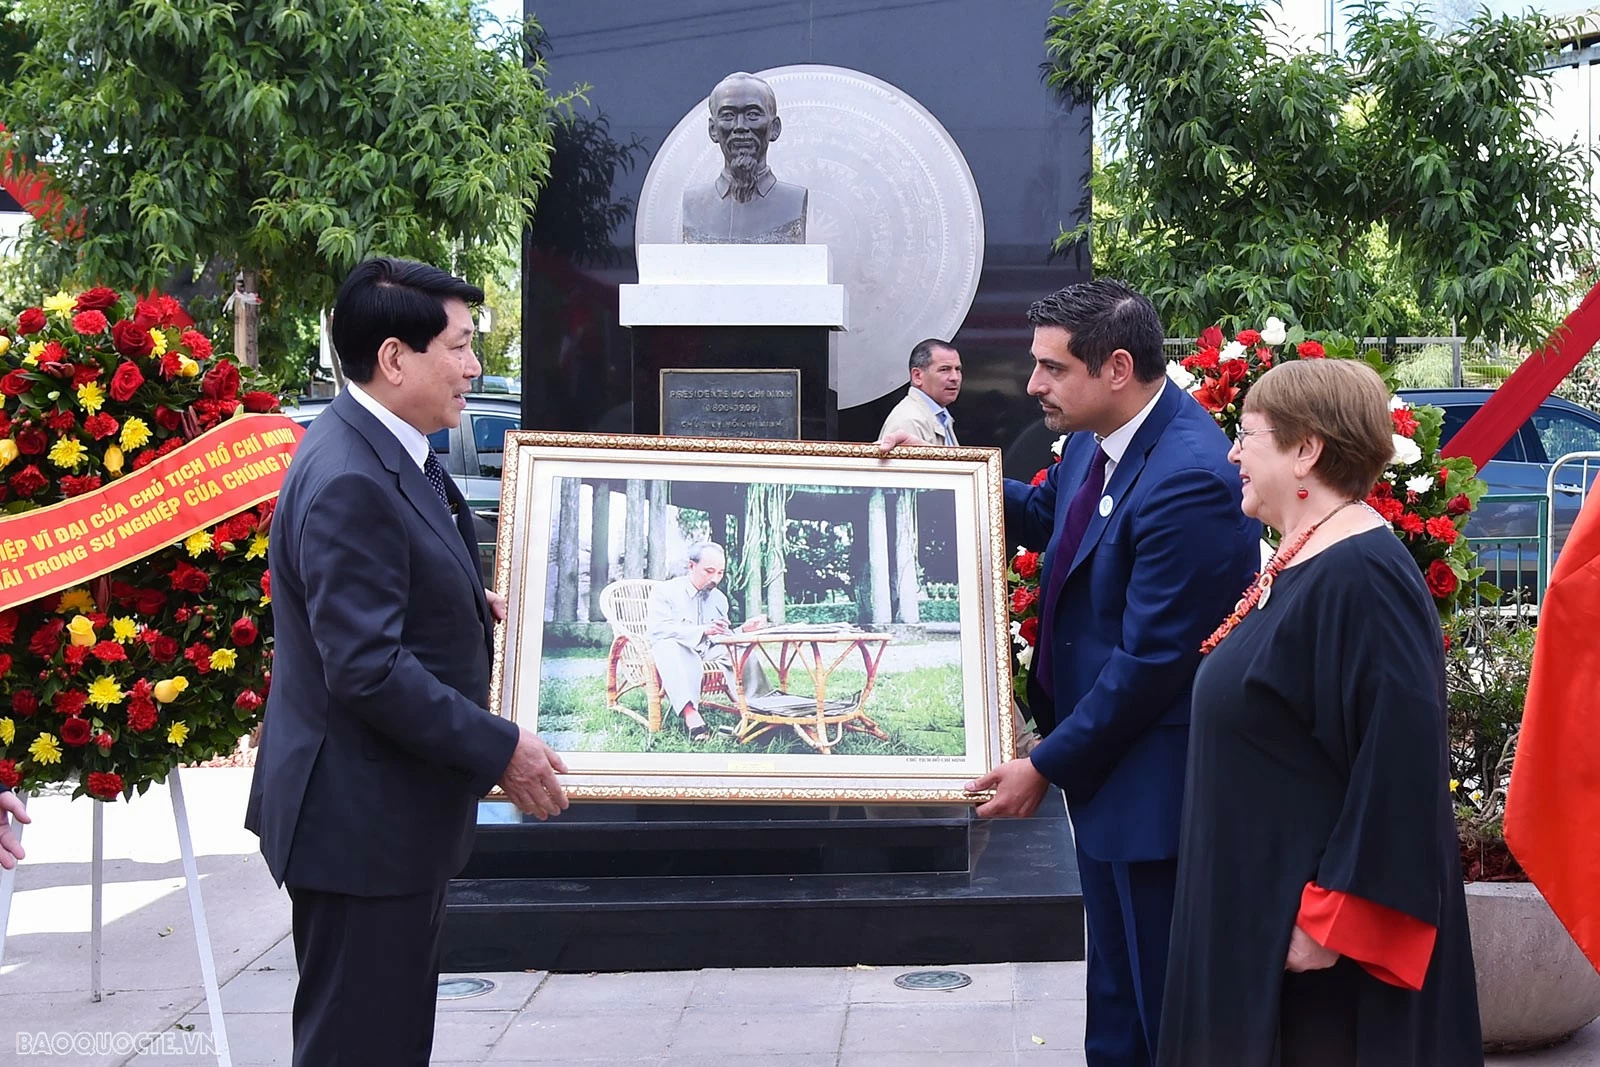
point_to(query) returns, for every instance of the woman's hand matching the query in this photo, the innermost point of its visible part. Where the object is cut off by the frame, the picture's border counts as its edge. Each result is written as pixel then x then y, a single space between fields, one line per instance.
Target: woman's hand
pixel 1306 955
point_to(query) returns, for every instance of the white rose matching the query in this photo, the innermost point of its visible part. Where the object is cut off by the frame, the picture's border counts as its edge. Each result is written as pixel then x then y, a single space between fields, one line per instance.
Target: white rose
pixel 1055 450
pixel 1016 628
pixel 1180 377
pixel 1273 332
pixel 1025 657
pixel 1406 451
pixel 1395 403
pixel 1420 484
pixel 1231 350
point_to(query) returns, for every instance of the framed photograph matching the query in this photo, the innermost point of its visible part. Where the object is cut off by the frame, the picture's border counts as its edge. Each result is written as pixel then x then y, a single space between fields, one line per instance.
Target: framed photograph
pixel 785 621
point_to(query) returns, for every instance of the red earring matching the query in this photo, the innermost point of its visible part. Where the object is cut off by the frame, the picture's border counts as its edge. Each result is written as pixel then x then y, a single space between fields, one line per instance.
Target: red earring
pixel 1302 492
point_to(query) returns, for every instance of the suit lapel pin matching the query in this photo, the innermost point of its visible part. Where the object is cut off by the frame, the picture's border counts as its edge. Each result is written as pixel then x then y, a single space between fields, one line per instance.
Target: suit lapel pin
pixel 1105 506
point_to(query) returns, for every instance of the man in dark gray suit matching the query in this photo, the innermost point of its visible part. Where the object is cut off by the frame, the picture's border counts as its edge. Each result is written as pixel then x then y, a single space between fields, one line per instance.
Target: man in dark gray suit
pixel 377 740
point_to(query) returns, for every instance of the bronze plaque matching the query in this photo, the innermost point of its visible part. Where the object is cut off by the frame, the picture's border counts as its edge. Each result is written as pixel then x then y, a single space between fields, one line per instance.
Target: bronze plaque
pixel 731 404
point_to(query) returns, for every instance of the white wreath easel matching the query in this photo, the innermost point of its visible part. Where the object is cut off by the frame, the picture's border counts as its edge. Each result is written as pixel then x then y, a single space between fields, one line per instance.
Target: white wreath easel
pixel 197 910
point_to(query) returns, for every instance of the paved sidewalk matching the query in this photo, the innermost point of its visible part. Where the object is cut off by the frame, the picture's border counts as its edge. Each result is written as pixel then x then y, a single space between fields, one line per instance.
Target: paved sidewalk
pixel 1018 1015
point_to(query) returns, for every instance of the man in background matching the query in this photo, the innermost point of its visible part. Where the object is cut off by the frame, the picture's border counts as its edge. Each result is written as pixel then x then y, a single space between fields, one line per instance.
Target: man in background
pixel 923 417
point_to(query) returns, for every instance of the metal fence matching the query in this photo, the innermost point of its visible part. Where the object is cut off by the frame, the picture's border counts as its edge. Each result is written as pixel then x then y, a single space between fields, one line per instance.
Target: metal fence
pixel 1421 362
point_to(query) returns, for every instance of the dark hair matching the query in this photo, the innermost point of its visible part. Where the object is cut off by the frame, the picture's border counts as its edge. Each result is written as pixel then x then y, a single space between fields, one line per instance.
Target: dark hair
pixel 383 298
pixel 1103 316
pixel 922 355
pixel 1341 401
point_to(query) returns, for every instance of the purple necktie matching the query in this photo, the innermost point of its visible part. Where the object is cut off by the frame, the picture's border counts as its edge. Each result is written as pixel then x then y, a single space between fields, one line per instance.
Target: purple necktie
pixel 1079 511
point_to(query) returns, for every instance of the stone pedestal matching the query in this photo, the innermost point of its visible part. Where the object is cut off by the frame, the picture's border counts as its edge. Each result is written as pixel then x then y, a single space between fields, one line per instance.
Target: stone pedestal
pixel 731 308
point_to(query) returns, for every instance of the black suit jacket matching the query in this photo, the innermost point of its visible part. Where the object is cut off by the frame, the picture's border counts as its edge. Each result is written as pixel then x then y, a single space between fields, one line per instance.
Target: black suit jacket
pixel 377 740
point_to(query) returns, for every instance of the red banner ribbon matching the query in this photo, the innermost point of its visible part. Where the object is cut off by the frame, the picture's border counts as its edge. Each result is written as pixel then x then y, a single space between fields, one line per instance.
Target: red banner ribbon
pixel 225 470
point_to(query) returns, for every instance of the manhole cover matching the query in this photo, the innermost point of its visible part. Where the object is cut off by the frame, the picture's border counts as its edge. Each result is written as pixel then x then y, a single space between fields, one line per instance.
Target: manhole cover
pixel 462 988
pixel 933 980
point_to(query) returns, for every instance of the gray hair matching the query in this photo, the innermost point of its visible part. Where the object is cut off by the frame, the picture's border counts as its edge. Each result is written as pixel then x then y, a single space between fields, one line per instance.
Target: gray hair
pixel 698 549
pixel 922 355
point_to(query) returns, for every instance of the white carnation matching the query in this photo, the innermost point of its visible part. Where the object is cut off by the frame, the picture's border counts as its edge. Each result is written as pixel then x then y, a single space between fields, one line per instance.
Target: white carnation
pixel 1180 377
pixel 1395 403
pixel 1274 332
pixel 1016 628
pixel 1025 657
pixel 1420 484
pixel 1231 350
pixel 1055 450
pixel 1406 451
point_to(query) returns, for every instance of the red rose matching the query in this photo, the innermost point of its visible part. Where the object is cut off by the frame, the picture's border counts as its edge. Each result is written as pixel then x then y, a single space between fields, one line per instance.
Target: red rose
pixel 8 626
pixel 28 481
pixel 244 632
pixel 1022 599
pixel 1248 337
pixel 147 315
pixel 15 383
pixel 100 425
pixel 89 322
pixel 167 419
pixel 188 578
pixel 249 700
pixel 196 343
pixel 104 784
pixel 1029 630
pixel 60 421
pixel 1311 350
pixel 221 381
pixel 1234 372
pixel 1459 505
pixel 1210 337
pixel 46 641
pixel 266 583
pixel 1441 579
pixel 125 382
pixel 24 702
pixel 31 321
pixel 141 715
pixel 109 652
pixel 76 732
pixel 260 402
pixel 164 649
pixel 1405 423
pixel 1442 529
pixel 1026 564
pixel 83 374
pixel 78 484
pixel 148 601
pixel 97 299
pixel 1411 523
pixel 1215 394
pixel 130 340
pixel 70 701
pixel 9 776
pixel 31 441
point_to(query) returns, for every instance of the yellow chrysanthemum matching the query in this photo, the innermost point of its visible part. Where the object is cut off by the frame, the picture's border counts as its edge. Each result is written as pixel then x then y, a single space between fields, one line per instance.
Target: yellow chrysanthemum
pixel 35 350
pixel 45 749
pixel 197 542
pixel 77 601
pixel 159 339
pixel 223 659
pixel 258 547
pixel 68 452
pixel 82 631
pixel 188 368
pixel 167 689
pixel 124 629
pixel 135 433
pixel 104 692
pixel 8 731
pixel 177 734
pixel 91 397
pixel 61 304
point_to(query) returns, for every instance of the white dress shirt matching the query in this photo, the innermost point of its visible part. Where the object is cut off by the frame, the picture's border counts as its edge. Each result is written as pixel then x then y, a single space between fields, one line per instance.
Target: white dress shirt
pixel 411 439
pixel 1116 443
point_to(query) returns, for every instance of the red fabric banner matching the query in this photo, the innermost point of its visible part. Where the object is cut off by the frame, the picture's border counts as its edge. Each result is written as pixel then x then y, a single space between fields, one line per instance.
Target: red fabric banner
pixel 1520 395
pixel 225 470
pixel 1553 803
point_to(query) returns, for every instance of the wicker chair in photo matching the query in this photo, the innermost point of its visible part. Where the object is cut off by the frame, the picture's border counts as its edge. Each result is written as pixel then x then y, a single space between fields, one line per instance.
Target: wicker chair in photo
pixel 630 665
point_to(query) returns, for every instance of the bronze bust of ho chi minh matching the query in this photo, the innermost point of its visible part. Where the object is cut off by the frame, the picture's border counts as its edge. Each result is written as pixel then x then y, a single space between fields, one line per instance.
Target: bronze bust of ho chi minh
pixel 746 204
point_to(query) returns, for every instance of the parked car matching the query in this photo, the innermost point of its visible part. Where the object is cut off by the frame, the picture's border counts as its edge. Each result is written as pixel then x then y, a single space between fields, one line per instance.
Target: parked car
pixel 1522 467
pixel 472 454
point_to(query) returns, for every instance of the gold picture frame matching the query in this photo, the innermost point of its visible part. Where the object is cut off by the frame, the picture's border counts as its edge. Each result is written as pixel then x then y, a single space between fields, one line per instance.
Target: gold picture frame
pixel 879 682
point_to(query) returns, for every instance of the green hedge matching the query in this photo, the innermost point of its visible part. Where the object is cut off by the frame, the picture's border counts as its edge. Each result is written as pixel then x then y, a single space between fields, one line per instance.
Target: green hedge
pixel 844 611
pixel 939 610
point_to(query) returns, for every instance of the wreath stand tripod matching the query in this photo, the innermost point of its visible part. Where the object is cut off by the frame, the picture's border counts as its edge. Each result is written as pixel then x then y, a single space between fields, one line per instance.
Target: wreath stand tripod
pixel 197 911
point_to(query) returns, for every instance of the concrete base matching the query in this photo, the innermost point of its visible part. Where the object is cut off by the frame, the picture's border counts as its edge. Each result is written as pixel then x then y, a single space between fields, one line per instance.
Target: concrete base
pixel 1534 986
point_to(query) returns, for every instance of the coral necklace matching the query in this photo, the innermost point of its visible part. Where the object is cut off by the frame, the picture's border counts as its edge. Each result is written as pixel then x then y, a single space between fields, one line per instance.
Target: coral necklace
pixel 1262 588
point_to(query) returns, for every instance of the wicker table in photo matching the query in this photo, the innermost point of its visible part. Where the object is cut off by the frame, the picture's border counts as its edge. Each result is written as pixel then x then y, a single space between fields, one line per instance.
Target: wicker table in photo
pixel 819 720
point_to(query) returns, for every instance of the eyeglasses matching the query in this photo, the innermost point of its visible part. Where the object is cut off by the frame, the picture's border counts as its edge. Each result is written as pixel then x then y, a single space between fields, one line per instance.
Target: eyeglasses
pixel 1244 434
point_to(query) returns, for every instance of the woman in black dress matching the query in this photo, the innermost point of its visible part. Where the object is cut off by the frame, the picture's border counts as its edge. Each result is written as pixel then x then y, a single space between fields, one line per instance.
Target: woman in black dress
pixel 1320 914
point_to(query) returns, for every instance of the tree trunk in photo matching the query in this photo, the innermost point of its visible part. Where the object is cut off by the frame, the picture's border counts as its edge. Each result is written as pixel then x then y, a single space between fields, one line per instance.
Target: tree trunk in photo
pixel 860 567
pixel 878 556
pixel 658 530
pixel 776 549
pixel 635 541
pixel 599 547
pixel 246 318
pixel 567 551
pixel 905 554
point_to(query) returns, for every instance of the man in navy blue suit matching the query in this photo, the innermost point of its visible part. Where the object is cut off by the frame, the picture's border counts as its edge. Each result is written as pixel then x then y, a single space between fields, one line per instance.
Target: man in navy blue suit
pixel 1147 551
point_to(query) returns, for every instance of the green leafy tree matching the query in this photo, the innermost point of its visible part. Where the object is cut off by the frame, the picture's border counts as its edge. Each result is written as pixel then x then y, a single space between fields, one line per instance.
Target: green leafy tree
pixel 284 139
pixel 1401 185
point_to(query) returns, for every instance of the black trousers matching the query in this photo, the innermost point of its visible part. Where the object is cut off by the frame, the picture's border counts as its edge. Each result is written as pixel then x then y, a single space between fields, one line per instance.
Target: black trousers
pixel 369 974
pixel 1318 1025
